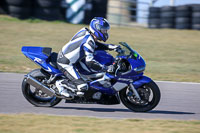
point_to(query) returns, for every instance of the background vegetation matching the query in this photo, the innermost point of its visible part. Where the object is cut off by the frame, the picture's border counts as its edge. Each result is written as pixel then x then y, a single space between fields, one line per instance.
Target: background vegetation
pixel 170 54
pixel 62 124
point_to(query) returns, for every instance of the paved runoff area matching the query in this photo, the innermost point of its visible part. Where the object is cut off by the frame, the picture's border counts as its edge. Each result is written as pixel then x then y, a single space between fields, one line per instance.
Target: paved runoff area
pixel 179 101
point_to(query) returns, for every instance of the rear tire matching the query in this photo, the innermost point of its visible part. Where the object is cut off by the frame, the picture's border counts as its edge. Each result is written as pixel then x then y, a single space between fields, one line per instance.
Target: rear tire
pixel 168 25
pixel 23 3
pixel 138 107
pixel 19 12
pixel 50 14
pixel 32 97
pixel 48 3
pixel 196 26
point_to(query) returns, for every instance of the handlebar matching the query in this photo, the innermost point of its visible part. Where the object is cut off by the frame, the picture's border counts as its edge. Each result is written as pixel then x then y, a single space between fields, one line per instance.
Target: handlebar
pixel 119 50
pixel 117 65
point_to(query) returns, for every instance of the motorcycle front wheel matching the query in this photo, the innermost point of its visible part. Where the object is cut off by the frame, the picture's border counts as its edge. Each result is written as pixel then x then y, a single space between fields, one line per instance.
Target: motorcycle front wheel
pixel 149 94
pixel 36 96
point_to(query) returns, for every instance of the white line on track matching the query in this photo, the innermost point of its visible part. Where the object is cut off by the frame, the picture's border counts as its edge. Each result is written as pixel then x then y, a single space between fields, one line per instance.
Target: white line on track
pixel 173 82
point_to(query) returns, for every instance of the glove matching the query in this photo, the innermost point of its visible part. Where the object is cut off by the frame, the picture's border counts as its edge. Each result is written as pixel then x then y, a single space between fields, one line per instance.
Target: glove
pixel 113 47
pixel 110 69
pixel 119 49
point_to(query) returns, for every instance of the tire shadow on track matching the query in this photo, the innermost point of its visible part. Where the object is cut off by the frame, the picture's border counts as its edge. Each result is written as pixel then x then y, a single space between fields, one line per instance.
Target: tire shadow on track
pixel 170 112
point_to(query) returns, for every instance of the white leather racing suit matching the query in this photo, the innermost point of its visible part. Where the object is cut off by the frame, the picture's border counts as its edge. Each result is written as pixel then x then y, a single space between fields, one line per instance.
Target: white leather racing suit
pixel 82 46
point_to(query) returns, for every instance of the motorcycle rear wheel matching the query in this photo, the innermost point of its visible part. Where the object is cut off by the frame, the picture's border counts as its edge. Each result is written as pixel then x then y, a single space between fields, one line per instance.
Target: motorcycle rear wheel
pixel 147 104
pixel 35 96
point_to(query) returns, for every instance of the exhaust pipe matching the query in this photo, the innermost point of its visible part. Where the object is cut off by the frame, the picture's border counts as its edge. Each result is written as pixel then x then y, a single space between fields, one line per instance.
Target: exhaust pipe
pixel 40 86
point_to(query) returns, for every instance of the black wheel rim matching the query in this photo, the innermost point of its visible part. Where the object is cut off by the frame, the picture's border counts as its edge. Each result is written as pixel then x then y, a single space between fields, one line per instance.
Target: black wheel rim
pixel 37 96
pixel 139 107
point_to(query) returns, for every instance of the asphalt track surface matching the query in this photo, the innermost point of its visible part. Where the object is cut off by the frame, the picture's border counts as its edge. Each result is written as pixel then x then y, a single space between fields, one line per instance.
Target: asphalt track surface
pixel 179 101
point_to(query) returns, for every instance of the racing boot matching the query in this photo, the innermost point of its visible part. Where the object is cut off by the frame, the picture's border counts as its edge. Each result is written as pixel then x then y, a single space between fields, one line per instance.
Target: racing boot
pixel 82 88
pixel 76 86
pixel 61 89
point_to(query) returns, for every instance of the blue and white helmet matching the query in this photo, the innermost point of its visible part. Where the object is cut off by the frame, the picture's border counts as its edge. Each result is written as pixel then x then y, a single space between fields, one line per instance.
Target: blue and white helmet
pixel 99 27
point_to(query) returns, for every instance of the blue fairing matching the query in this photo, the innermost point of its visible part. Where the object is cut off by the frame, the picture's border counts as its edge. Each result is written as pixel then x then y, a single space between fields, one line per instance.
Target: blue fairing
pixel 36 54
pixel 134 63
pixel 132 75
pixel 141 81
pixel 103 57
pixel 105 90
pixel 29 51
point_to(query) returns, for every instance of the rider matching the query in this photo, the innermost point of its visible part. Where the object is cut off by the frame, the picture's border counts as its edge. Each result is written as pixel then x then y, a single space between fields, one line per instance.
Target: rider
pixel 82 47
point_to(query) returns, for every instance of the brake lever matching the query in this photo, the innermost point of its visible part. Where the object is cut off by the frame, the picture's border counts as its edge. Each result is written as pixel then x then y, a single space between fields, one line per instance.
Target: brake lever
pixel 118 66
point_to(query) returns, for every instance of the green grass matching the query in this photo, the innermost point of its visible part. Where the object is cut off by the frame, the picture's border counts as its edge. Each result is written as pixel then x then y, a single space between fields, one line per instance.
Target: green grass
pixel 170 54
pixel 28 123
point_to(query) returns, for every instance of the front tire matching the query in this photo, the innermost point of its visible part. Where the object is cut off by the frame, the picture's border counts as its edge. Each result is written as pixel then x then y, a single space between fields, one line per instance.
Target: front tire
pixel 35 96
pixel 147 103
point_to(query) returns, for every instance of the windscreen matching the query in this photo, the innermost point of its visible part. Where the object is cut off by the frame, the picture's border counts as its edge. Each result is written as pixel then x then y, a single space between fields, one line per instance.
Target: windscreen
pixel 127 51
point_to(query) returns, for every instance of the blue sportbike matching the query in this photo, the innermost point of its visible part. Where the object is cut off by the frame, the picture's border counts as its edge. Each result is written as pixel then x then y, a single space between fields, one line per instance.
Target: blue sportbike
pixel 126 84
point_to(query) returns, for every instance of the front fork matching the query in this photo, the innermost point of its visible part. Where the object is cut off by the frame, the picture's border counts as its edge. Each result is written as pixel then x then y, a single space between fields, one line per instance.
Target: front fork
pixel 138 83
pixel 134 91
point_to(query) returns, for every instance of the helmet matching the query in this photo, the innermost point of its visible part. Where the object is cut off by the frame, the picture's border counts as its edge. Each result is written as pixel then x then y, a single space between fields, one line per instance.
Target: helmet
pixel 99 27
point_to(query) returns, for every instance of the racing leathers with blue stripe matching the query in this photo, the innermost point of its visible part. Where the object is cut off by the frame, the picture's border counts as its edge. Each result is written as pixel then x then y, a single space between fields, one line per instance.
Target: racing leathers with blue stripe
pixel 81 47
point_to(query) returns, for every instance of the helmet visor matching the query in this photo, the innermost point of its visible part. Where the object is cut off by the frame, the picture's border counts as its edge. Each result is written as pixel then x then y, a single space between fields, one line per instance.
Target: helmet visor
pixel 103 27
pixel 104 31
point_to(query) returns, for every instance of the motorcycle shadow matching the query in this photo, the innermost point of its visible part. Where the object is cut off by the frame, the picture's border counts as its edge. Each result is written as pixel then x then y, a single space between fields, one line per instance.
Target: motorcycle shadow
pixel 96 109
pixel 125 110
pixel 170 112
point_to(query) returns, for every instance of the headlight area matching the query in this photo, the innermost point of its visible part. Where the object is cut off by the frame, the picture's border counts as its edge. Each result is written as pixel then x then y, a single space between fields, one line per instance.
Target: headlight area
pixel 125 66
pixel 139 69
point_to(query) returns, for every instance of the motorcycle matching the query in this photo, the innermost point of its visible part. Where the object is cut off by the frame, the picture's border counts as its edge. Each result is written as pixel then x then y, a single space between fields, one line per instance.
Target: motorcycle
pixel 126 84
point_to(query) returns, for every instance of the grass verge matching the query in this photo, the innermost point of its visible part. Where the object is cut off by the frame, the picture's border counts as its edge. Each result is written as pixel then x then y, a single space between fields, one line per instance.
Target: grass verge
pixel 171 55
pixel 23 123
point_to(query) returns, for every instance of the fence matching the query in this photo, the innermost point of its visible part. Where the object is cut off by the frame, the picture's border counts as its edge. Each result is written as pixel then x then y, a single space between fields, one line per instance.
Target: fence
pixel 127 12
pixel 119 12
pixel 178 17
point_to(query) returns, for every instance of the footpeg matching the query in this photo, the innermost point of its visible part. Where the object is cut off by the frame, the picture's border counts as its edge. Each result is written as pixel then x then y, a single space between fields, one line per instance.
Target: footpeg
pixel 80 94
